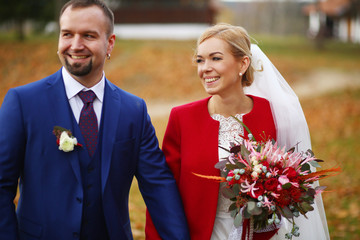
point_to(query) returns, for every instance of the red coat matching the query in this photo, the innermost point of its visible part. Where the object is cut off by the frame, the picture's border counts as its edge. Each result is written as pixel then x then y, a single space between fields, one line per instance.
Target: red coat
pixel 191 146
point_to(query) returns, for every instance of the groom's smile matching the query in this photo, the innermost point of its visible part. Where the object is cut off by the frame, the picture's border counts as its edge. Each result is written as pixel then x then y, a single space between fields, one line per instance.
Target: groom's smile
pixel 78 57
pixel 78 65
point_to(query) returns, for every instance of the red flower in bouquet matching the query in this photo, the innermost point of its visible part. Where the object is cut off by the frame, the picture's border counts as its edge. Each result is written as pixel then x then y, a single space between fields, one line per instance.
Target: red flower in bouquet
pixel 284 198
pixel 295 194
pixel 291 173
pixel 271 184
pixel 258 192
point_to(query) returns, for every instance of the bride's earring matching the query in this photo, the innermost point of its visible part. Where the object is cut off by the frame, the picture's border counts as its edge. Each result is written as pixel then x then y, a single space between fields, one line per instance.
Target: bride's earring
pixel 240 74
pixel 108 56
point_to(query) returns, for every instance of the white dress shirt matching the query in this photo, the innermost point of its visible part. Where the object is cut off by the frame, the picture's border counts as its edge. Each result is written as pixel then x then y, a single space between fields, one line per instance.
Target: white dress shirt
pixel 73 87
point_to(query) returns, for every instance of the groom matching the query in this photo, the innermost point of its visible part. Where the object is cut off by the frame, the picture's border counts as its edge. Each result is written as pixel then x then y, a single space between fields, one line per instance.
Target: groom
pixel 79 189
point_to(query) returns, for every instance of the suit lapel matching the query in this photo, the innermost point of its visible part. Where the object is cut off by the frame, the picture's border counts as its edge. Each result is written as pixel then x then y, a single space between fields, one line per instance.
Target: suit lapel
pixel 62 115
pixel 110 118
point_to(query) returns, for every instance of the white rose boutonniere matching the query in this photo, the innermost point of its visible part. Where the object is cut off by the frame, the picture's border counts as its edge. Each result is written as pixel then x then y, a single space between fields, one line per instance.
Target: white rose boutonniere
pixel 67 143
pixel 65 140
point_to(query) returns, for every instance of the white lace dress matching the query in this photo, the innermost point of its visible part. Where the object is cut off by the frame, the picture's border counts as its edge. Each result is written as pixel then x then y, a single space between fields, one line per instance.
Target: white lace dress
pixel 229 131
pixel 310 229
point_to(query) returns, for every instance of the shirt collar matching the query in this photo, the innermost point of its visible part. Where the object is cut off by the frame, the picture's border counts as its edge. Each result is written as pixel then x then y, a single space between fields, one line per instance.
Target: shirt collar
pixel 73 87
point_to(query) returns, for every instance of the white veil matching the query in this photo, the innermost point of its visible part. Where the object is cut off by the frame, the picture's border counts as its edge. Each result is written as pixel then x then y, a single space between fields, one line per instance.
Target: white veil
pixel 292 130
pixel 288 115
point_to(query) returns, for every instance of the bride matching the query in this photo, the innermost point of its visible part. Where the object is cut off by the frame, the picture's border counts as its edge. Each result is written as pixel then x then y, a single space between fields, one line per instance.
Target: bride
pixel 241 82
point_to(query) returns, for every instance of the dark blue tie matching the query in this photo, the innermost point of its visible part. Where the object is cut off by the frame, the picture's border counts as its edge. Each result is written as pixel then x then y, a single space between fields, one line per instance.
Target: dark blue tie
pixel 88 121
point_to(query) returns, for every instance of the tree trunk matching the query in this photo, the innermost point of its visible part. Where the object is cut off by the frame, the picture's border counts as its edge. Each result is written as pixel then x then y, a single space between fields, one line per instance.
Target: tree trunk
pixel 20 29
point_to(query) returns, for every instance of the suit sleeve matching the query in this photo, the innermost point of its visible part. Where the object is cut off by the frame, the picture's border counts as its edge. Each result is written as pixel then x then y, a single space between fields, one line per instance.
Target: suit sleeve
pixel 12 142
pixel 171 149
pixel 158 187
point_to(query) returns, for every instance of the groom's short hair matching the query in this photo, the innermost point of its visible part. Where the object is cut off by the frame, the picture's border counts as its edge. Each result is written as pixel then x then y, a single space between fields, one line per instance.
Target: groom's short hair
pixel 88 3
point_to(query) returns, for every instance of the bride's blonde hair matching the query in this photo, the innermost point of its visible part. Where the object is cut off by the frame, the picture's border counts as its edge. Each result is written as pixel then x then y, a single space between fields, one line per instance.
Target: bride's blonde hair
pixel 239 42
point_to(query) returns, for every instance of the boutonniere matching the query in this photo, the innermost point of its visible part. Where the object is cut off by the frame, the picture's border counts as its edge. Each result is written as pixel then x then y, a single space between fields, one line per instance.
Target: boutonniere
pixel 64 139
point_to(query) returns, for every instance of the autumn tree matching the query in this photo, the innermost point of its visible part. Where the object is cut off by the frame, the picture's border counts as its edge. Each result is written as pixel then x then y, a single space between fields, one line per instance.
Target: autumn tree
pixel 19 11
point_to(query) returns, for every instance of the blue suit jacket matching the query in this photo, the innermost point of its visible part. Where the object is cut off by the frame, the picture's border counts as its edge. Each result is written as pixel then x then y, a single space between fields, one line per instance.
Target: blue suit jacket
pixel 50 205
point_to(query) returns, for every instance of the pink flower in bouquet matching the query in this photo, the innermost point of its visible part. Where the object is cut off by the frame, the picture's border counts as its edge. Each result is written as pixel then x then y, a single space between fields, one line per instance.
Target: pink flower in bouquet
pixel 283 179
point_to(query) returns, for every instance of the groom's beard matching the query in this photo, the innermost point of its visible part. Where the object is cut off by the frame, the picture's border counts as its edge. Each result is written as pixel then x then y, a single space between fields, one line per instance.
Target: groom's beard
pixel 78 69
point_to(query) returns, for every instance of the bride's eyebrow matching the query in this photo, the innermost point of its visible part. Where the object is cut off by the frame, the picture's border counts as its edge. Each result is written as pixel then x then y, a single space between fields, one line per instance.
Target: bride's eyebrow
pixel 211 54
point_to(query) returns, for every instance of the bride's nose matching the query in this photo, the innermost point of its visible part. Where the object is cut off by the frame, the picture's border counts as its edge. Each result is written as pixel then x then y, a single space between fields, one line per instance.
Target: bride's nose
pixel 206 66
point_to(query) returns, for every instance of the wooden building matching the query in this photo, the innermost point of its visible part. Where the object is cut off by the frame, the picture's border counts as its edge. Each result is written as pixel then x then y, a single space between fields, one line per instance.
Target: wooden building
pixel 164 11
pixel 339 19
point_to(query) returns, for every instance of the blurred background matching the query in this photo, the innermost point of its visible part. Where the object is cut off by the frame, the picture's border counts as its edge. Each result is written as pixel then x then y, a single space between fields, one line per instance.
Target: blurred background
pixel 314 44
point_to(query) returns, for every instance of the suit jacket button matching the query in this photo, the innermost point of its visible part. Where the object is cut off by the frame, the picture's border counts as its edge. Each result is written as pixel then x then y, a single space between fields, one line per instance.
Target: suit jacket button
pixel 79 200
pixel 75 235
pixel 90 169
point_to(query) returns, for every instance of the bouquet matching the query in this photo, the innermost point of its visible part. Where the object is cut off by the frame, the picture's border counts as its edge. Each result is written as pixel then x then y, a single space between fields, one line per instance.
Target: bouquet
pixel 266 182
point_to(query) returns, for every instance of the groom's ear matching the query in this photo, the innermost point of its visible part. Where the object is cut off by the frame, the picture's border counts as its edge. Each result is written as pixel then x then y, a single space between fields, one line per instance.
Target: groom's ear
pixel 111 44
